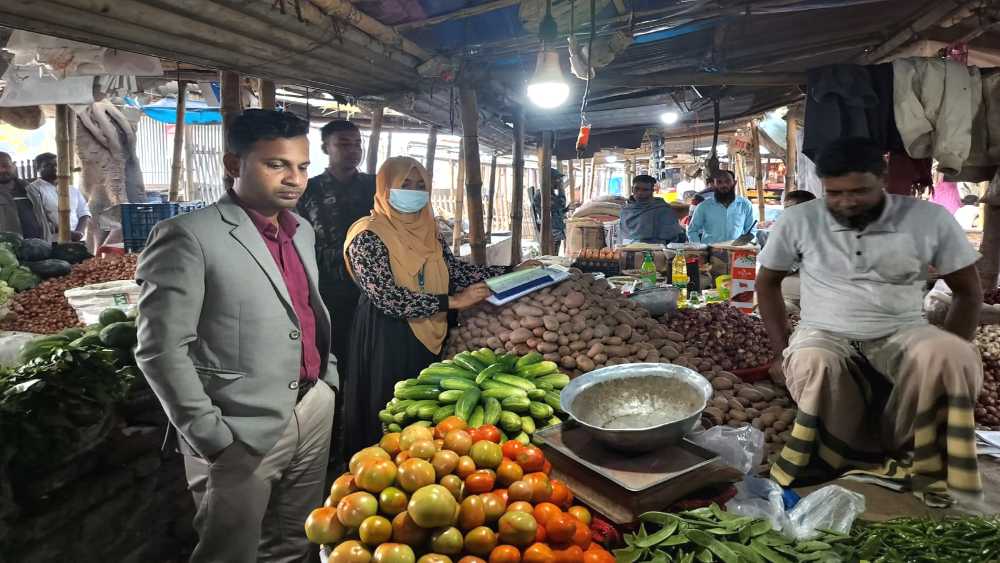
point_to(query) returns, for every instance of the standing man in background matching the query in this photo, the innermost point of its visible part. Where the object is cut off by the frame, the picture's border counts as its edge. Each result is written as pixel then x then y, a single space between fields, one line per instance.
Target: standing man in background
pixel 558 210
pixel 723 217
pixel 44 189
pixel 234 340
pixel 333 201
pixel 18 212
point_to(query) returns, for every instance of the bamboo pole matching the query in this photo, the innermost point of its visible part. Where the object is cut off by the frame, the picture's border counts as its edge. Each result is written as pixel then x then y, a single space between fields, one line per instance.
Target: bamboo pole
pixel 490 198
pixel 64 168
pixel 178 165
pixel 758 168
pixel 377 113
pixel 473 171
pixel 676 79
pixel 791 153
pixel 230 106
pixel 459 194
pixel 593 176
pixel 267 94
pixel 517 190
pixel 544 163
pixel 432 139
pixel 189 179
pixel 932 15
pixel 572 180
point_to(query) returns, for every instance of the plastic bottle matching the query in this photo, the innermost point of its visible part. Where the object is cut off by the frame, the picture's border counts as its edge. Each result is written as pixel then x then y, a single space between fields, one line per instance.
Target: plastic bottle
pixel 680 278
pixel 648 270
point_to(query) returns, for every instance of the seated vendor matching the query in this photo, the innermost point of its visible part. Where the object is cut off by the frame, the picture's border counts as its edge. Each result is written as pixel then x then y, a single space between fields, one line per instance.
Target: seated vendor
pixel 878 389
pixel 649 219
pixel 790 286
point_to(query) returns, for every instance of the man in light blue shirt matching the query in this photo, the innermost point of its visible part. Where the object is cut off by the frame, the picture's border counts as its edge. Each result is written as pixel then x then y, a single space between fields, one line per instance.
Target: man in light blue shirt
pixel 725 216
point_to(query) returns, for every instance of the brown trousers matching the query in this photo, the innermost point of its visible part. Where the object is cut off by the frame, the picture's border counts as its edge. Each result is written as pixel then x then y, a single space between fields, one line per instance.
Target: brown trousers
pixel 899 406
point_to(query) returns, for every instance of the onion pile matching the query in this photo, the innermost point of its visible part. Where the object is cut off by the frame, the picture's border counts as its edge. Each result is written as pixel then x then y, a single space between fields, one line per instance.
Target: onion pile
pixel 992 296
pixel 45 310
pixel 988 406
pixel 722 336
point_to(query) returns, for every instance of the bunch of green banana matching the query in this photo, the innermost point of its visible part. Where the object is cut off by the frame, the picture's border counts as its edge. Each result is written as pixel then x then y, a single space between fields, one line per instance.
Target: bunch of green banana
pixel 517 394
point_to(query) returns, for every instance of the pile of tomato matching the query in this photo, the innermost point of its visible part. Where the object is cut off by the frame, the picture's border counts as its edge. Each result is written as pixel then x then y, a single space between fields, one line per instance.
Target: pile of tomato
pixel 452 493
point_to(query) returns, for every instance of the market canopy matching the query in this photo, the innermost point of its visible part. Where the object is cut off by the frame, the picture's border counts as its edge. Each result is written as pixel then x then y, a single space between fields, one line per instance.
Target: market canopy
pixel 196 112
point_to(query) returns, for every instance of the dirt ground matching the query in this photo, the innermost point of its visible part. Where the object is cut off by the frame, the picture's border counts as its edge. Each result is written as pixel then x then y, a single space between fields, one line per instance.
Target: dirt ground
pixel 884 504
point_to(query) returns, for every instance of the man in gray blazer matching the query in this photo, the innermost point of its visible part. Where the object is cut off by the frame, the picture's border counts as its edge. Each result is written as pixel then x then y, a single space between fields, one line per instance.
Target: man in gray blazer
pixel 234 340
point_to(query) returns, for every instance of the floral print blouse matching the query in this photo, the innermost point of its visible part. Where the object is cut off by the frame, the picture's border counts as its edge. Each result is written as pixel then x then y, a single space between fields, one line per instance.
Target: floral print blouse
pixel 370 263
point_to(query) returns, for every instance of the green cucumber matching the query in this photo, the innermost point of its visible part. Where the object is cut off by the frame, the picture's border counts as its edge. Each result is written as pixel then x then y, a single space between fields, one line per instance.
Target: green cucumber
pixel 552 399
pixel 509 361
pixel 493 369
pixel 476 420
pixel 528 424
pixel 418 392
pixel 510 422
pixel 553 421
pixel 538 370
pixel 427 411
pixel 557 380
pixel 394 427
pixel 467 403
pixel 485 355
pixel 450 396
pixel 523 438
pixel 399 405
pixel 528 359
pixel 491 410
pixel 413 410
pixel 430 379
pixel 442 413
pixel 469 362
pixel 458 383
pixel 386 417
pixel 516 404
pixel 540 411
pixel 537 394
pixel 514 381
pixel 505 392
pixel 448 370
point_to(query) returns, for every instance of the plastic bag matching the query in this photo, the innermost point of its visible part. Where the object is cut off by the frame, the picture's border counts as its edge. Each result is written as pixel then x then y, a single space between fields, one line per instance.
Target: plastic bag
pixel 742 448
pixel 832 508
pixel 90 300
pixel 937 303
pixel 759 498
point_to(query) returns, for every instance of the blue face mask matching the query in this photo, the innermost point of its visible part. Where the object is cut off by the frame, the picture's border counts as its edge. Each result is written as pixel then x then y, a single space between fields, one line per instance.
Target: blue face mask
pixel 408 201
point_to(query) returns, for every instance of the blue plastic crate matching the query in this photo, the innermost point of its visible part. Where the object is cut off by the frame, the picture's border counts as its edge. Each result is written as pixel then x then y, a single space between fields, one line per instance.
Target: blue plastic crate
pixel 138 220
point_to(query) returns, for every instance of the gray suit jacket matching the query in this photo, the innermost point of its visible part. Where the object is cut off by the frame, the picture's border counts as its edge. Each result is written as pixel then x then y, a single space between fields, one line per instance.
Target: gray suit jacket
pixel 219 340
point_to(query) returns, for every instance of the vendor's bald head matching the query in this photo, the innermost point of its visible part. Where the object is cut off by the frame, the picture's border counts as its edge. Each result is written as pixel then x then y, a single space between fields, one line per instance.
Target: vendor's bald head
pixel 642 187
pixel 8 172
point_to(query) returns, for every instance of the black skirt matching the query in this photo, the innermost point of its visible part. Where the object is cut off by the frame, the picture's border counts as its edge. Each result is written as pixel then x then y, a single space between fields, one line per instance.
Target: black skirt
pixel 384 351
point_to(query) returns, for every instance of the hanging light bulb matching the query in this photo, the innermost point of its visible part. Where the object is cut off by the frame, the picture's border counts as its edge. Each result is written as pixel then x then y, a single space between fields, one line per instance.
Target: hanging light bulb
pixel 669 117
pixel 611 159
pixel 547 87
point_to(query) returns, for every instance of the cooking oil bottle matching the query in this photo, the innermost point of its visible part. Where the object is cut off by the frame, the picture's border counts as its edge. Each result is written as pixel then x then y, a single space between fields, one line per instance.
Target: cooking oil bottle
pixel 648 270
pixel 680 278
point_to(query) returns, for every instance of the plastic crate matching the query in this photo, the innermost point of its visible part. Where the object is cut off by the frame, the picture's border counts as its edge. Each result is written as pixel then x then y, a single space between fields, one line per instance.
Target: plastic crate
pixel 138 220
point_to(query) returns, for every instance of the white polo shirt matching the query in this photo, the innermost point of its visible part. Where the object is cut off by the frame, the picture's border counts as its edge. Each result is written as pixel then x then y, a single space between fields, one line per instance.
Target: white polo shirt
pixel 50 201
pixel 866 284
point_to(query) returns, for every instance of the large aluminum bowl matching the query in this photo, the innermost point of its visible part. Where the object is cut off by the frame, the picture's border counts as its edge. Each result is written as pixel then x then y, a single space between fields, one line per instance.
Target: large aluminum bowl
pixel 637 407
pixel 657 300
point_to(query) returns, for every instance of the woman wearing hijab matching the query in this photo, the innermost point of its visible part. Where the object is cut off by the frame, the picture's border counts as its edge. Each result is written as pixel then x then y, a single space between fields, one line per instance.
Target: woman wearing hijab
pixel 409 280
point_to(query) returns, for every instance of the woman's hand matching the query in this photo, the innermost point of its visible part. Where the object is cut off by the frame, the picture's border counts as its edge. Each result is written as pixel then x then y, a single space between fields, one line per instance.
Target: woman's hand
pixel 528 264
pixel 469 296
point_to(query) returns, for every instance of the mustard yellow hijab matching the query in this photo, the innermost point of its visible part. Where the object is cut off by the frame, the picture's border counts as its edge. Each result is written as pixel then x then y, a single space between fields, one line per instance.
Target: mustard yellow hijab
pixel 412 240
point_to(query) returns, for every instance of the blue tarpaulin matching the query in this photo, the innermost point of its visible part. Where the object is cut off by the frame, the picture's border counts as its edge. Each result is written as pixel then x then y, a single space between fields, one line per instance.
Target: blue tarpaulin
pixel 165 111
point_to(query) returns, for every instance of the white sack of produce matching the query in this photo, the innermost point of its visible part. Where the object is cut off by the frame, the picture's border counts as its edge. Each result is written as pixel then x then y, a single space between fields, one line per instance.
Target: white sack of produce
pixel 937 302
pixel 90 300
pixel 598 208
pixel 581 324
pixel 10 346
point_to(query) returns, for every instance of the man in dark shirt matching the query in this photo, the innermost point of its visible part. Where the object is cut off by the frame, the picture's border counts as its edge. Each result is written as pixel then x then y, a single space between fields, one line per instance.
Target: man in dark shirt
pixel 18 213
pixel 333 201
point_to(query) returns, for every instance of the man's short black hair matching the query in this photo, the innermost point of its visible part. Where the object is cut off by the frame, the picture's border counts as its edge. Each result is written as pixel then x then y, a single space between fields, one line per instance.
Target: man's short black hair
pixel 644 179
pixel 970 199
pixel 263 125
pixel 44 156
pixel 850 154
pixel 799 196
pixel 719 173
pixel 336 126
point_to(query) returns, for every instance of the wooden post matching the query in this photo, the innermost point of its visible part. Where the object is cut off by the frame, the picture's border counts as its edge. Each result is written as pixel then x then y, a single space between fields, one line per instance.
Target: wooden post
pixel 388 145
pixel 491 197
pixel 545 181
pixel 629 174
pixel 231 103
pixel 791 152
pixel 517 190
pixel 989 264
pixel 377 114
pixel 593 176
pixel 758 168
pixel 459 194
pixel 178 164
pixel 572 180
pixel 267 94
pixel 64 169
pixel 473 171
pixel 432 140
pixel 189 179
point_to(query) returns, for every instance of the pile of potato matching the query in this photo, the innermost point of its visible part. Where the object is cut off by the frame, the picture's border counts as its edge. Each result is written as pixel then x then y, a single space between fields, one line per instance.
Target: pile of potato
pixel 581 324
pixel 763 405
pixel 988 406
